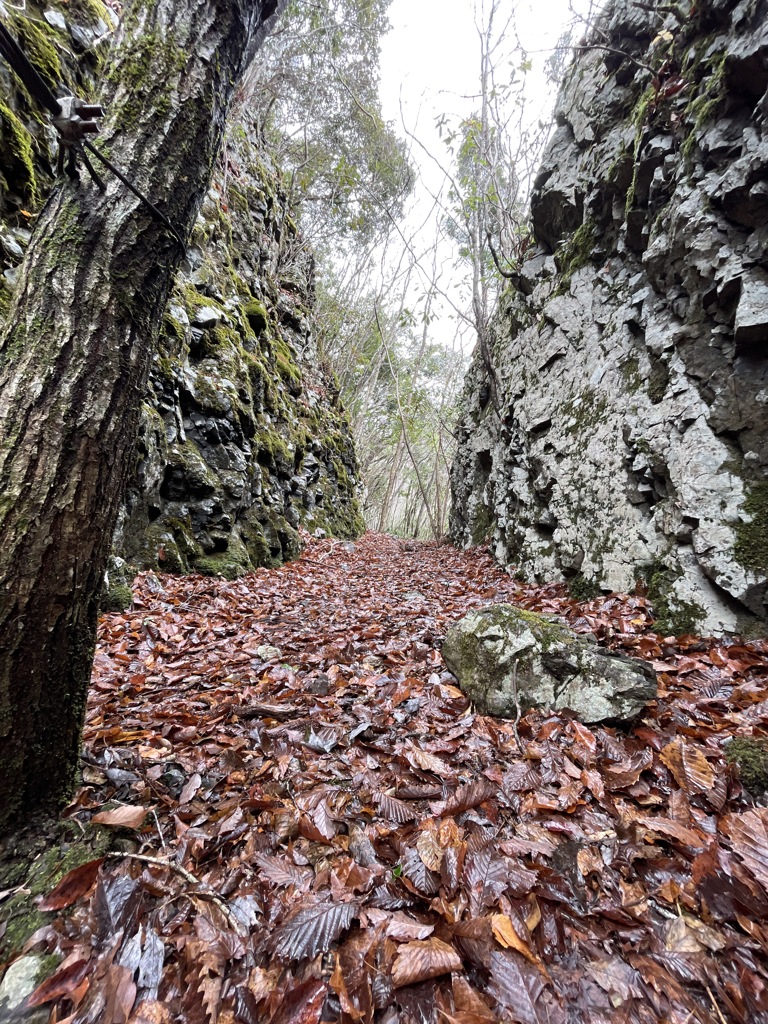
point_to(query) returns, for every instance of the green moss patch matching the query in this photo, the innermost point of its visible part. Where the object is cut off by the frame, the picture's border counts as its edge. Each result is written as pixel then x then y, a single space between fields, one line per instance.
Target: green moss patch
pixel 17 156
pixel 41 859
pixel 673 616
pixel 751 759
pixel 583 588
pixel 40 50
pixel 751 549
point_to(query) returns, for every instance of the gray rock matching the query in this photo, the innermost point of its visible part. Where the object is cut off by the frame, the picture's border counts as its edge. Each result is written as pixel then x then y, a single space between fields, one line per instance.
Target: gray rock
pixel 19 982
pixel 12 248
pixel 207 316
pixel 269 653
pixel 752 312
pixel 649 338
pixel 56 20
pixel 503 656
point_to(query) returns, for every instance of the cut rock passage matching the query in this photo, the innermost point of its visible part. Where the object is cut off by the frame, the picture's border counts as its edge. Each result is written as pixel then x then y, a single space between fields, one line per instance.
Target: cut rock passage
pixel 369 849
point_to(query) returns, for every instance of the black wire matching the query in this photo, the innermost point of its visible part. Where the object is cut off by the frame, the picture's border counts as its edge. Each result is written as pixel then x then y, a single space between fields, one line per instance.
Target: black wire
pixel 139 195
pixel 27 72
pixel 29 75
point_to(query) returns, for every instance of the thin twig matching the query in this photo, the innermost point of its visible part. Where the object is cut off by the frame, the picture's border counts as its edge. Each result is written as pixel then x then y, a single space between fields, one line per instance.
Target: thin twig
pixel 159 830
pixel 517 707
pixel 205 890
pixel 715 1007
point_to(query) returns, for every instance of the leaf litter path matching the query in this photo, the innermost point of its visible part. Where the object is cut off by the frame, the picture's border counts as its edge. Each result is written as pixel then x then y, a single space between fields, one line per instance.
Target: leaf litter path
pixel 347 841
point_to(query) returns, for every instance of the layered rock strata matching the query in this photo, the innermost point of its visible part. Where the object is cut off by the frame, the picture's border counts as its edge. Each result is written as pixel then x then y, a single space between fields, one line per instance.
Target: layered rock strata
pixel 243 439
pixel 629 438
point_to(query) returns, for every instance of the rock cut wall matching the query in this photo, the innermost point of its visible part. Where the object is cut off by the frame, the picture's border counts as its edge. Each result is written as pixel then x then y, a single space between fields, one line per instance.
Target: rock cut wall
pixel 243 438
pixel 630 437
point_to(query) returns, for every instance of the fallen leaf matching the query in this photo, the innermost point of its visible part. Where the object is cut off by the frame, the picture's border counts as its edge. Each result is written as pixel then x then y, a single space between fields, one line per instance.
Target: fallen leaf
pixel 313 929
pixel 73 885
pixel 125 816
pixel 418 961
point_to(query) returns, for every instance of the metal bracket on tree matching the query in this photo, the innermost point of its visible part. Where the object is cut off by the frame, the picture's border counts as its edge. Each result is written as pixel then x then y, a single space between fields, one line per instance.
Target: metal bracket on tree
pixel 73 119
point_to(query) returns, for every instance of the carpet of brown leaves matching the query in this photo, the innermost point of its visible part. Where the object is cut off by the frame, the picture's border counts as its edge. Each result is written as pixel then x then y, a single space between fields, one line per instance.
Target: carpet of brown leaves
pixel 347 841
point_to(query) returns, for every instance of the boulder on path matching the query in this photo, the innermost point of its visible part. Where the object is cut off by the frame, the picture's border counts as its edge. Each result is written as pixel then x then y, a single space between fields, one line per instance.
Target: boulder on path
pixel 504 656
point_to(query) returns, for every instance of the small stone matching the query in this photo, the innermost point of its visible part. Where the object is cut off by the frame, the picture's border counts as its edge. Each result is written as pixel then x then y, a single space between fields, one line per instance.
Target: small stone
pixel 56 20
pixel 19 982
pixel 12 248
pixel 508 660
pixel 207 316
pixel 269 653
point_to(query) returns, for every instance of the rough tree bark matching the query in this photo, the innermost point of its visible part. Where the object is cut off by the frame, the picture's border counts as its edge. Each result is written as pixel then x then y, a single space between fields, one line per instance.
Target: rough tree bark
pixel 74 361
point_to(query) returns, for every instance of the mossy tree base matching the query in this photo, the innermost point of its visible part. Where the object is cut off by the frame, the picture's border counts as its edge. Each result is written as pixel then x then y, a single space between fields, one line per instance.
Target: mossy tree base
pixel 74 362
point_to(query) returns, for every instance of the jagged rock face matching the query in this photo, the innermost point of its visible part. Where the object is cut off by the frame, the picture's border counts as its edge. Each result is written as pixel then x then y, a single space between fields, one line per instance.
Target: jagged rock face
pixel 243 438
pixel 630 436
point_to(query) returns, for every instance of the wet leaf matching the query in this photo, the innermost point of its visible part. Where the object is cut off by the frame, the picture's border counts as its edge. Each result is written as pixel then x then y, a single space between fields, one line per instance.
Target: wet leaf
pixel 521 990
pixel 62 983
pixel 73 885
pixel 394 809
pixel 749 835
pixel 313 929
pixel 691 769
pixel 418 961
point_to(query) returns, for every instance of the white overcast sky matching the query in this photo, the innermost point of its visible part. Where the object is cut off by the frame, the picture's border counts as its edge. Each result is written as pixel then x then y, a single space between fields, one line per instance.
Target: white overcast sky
pixel 430 63
pixel 431 55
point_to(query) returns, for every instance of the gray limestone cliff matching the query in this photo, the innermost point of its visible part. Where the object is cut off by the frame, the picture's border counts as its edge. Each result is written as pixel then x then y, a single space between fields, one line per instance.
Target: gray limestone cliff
pixel 629 438
pixel 243 439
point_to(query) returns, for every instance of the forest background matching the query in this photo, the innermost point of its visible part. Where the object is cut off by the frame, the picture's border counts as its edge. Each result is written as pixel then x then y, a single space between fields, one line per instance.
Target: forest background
pixel 409 153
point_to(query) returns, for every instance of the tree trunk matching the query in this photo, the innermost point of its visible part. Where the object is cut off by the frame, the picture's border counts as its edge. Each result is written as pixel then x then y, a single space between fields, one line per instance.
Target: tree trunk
pixel 74 361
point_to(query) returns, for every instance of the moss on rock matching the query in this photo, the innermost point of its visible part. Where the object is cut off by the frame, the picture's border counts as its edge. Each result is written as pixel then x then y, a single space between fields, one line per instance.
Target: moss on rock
pixel 38 47
pixel 583 588
pixel 673 616
pixel 750 757
pixel 751 549
pixel 17 156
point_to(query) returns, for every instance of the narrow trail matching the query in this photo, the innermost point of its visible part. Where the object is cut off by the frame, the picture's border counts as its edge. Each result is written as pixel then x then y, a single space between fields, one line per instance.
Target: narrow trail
pixel 350 842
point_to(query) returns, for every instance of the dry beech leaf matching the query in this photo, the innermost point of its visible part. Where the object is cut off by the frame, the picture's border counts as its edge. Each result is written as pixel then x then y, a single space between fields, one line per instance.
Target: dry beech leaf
pixel 506 935
pixel 313 929
pixel 73 885
pixel 749 835
pixel 418 961
pixel 405 929
pixel 429 763
pixel 429 849
pixel 691 769
pixel 122 817
pixel 150 1011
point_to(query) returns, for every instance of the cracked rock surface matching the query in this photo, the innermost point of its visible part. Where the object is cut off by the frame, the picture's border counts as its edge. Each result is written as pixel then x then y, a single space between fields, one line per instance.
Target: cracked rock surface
pixel 508 661
pixel 631 435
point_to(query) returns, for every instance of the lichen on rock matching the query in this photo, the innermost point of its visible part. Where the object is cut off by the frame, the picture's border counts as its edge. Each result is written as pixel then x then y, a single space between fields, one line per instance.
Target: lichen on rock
pixel 508 660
